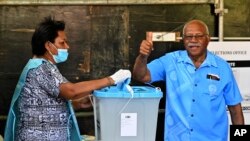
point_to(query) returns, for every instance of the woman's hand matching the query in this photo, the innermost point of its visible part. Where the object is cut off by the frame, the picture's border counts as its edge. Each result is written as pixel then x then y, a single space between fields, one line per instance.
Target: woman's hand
pixel 81 103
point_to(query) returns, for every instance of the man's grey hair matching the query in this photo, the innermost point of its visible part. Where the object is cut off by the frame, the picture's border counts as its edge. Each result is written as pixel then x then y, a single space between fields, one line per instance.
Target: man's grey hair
pixel 198 21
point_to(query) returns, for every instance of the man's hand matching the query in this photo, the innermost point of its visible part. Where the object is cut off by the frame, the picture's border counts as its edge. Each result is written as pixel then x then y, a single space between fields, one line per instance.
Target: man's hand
pixel 147 45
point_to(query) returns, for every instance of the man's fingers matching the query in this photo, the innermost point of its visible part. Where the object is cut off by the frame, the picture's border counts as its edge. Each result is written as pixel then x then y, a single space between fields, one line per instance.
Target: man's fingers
pixel 149 36
pixel 145 48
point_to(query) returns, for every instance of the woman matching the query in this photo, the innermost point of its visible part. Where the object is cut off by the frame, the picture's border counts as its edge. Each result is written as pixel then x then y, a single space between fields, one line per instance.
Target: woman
pixel 41 105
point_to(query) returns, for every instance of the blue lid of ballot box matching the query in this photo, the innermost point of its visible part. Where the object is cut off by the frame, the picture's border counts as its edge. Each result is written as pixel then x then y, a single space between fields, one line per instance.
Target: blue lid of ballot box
pixel 139 92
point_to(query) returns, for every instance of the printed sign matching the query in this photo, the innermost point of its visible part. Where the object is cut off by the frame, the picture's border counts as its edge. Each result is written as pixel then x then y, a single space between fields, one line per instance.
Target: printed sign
pixel 237 55
pixel 128 124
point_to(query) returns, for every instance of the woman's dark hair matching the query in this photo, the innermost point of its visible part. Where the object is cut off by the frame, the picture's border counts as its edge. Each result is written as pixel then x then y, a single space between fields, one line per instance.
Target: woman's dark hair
pixel 47 30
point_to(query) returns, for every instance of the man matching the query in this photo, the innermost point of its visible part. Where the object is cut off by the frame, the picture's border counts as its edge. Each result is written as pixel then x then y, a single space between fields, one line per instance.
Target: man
pixel 199 86
pixel 41 105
